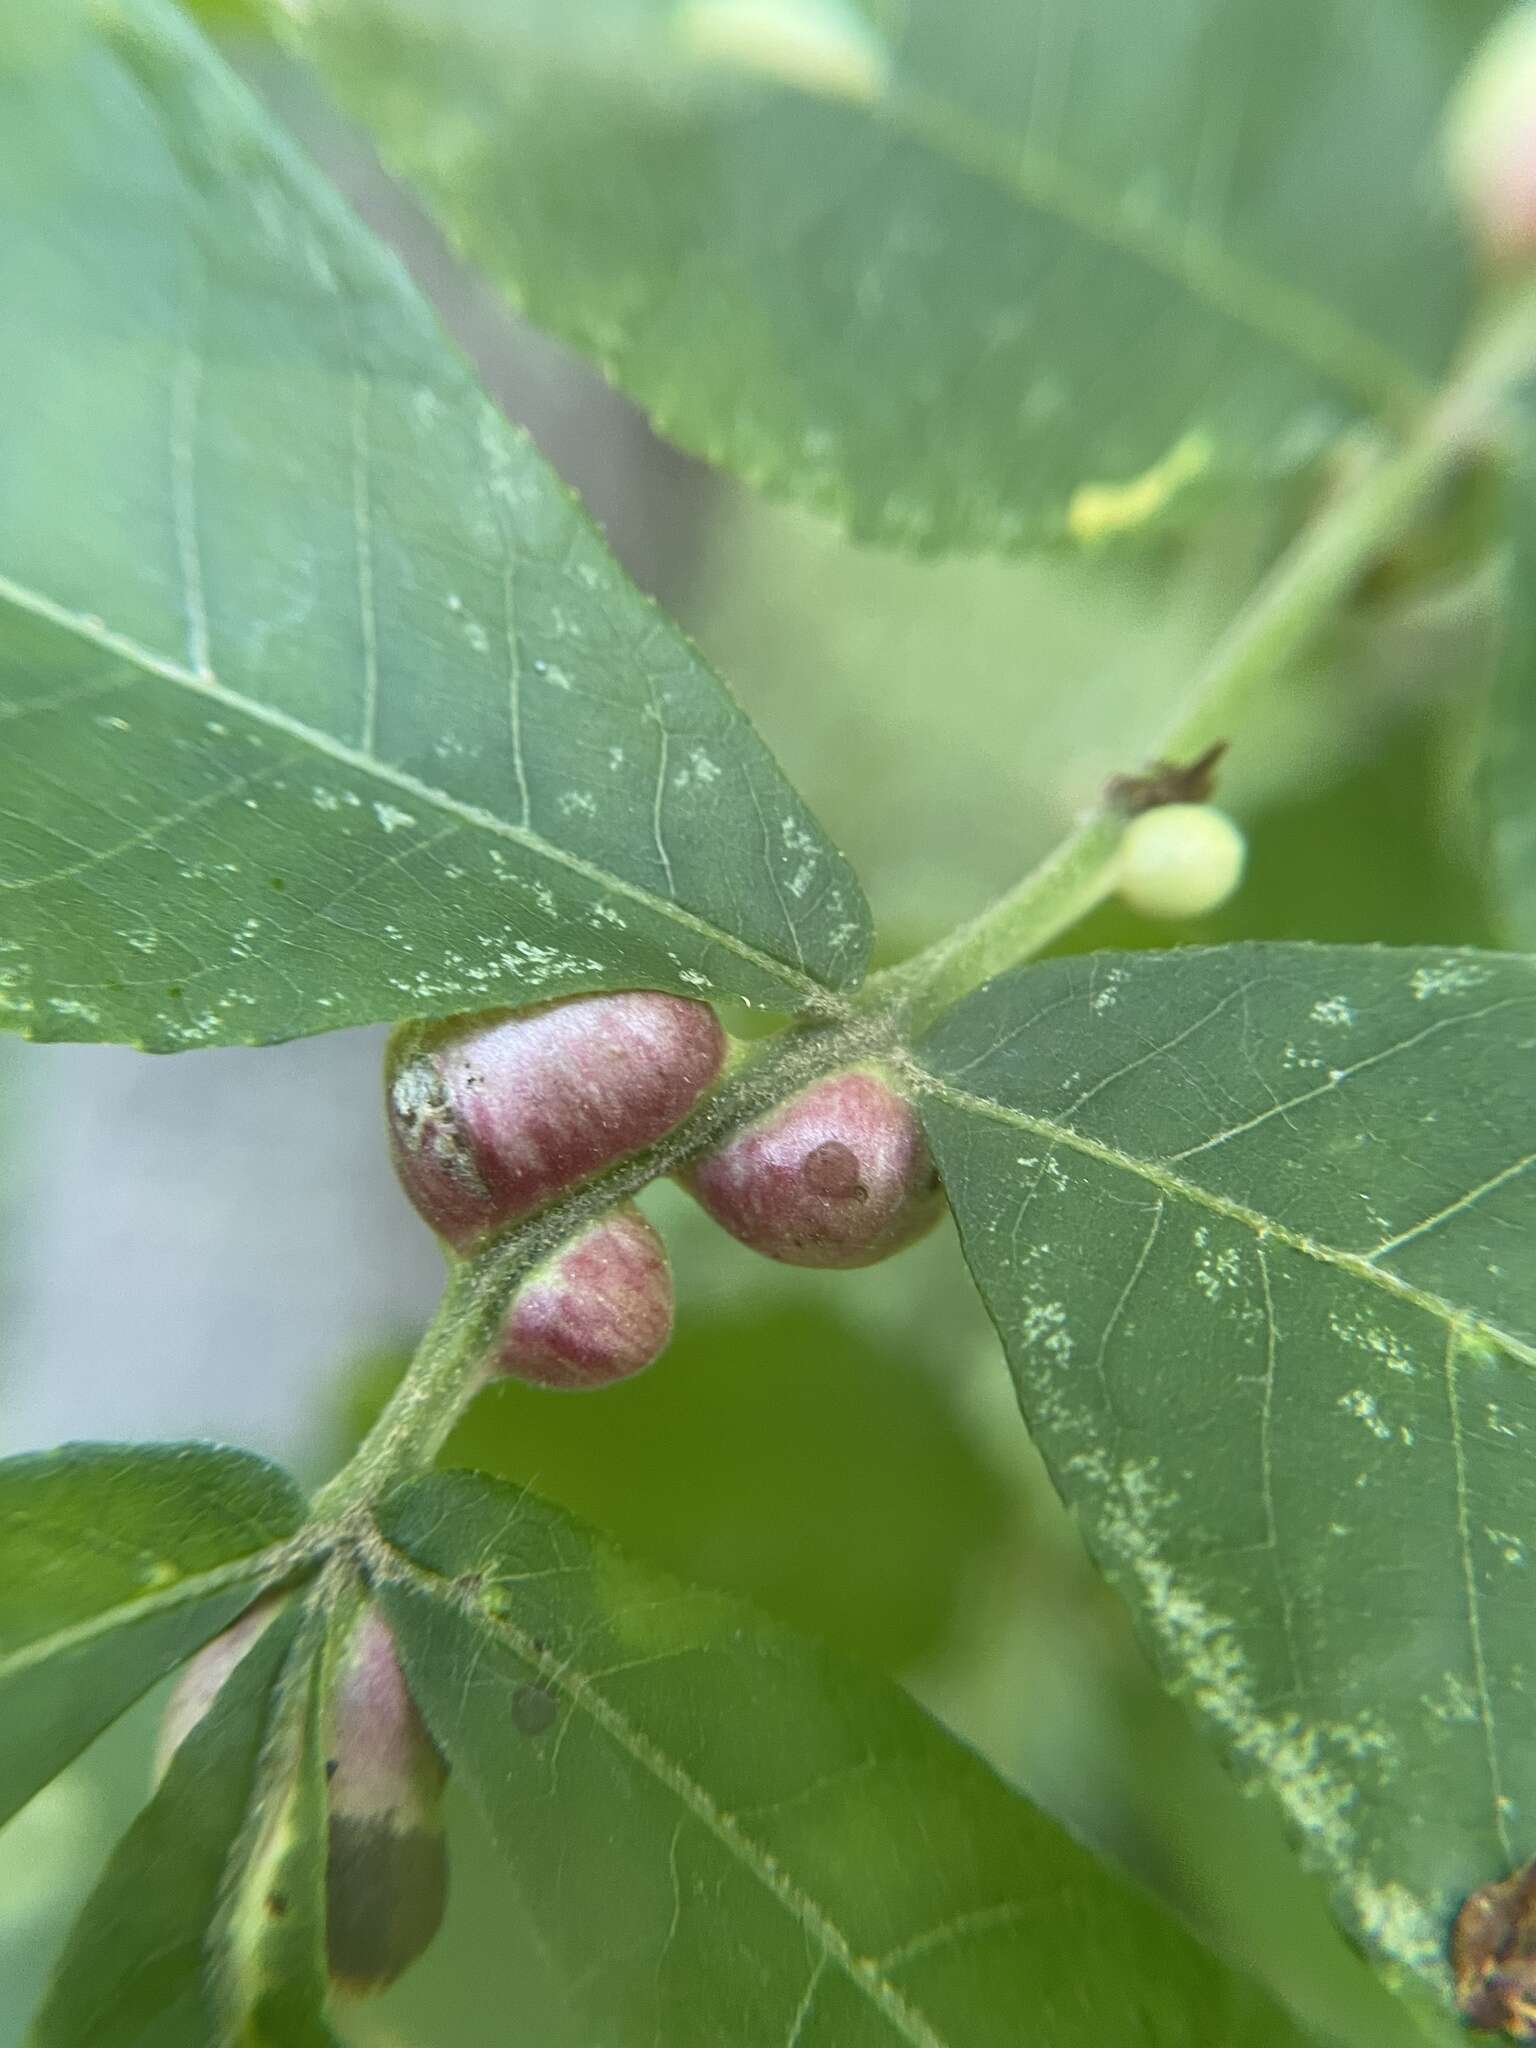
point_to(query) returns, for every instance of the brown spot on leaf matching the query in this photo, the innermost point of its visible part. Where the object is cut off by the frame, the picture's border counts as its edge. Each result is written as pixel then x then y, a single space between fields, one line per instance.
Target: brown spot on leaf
pixel 533 1710
pixel 1493 1956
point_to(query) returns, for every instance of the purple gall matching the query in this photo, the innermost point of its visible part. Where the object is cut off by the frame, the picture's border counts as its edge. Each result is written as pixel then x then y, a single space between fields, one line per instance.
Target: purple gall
pixel 386 1872
pixel 840 1175
pixel 491 1117
pixel 386 1877
pixel 598 1311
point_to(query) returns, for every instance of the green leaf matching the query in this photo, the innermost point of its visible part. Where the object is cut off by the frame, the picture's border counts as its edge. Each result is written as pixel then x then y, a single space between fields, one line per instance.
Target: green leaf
pixel 322 700
pixel 917 284
pixel 136 1970
pixel 784 1455
pixel 116 1563
pixel 1255 1224
pixel 270 1975
pixel 729 1839
pixel 1509 763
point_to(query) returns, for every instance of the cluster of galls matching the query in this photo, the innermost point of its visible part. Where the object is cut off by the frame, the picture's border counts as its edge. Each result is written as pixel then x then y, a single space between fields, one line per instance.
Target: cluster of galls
pixel 490 1119
pixel 493 1117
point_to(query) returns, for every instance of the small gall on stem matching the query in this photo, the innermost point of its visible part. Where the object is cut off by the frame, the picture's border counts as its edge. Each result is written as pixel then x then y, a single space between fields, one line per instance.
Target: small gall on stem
pixel 1179 860
pixel 598 1311
pixel 386 1871
pixel 1490 140
pixel 490 1117
pixel 386 1877
pixel 838 1176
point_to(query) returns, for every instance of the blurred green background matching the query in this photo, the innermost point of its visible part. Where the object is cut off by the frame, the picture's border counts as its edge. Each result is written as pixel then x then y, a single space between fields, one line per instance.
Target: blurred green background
pixel 843 1449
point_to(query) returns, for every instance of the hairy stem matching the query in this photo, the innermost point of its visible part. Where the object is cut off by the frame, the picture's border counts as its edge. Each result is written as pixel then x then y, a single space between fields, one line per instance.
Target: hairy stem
pixel 1290 606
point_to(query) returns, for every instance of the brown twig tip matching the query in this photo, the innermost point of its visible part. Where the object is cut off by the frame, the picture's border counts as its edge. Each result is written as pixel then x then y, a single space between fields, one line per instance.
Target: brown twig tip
pixel 1493 1957
pixel 1167 782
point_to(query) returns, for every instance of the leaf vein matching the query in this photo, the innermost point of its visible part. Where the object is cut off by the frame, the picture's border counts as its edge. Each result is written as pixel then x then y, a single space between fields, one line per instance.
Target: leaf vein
pixel 1156 1173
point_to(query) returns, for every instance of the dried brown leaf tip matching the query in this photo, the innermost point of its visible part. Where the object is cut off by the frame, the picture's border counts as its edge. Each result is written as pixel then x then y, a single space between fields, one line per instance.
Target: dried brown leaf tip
pixel 1493 1956
pixel 1166 782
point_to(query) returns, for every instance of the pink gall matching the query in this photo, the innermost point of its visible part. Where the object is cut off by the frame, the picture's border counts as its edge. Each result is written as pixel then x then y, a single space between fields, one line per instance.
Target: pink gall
pixel 840 1175
pixel 491 1117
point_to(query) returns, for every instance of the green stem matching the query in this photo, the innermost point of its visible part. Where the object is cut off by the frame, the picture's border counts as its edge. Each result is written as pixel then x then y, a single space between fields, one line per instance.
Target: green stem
pixel 1295 600
pixel 420 1414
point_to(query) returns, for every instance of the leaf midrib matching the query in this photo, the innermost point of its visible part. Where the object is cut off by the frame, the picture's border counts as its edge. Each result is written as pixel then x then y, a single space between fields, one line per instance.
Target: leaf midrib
pixel 1301 325
pixel 1463 1322
pixel 255 1565
pixel 207 685
pixel 863 1972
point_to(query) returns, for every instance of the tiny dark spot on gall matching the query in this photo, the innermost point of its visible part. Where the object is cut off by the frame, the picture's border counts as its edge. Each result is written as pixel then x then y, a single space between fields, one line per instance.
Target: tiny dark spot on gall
pixel 832 1169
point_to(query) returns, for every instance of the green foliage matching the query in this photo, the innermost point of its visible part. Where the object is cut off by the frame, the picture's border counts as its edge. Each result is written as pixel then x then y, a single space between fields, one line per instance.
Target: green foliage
pixel 923 297
pixel 135 1968
pixel 270 1978
pixel 657 1764
pixel 355 714
pixel 323 703
pixel 777 1452
pixel 1286 1385
pixel 115 1564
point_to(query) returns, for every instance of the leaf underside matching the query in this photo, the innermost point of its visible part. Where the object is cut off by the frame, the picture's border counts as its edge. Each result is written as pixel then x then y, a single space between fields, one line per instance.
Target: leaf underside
pixel 321 701
pixel 116 1563
pixel 1254 1224
pixel 899 288
pixel 136 1969
pixel 728 1840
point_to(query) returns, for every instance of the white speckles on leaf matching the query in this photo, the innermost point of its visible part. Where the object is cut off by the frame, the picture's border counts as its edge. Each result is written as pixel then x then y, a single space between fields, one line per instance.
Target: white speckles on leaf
pixel 1449 977
pixel 1362 1406
pixel 1399 1925
pixel 1365 1335
pixel 1044 1330
pixel 1220 1274
pixel 391 819
pixel 1335 1010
